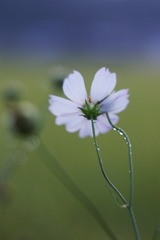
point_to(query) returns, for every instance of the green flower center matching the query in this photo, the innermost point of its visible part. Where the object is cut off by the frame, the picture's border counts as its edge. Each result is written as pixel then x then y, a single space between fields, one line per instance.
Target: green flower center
pixel 90 110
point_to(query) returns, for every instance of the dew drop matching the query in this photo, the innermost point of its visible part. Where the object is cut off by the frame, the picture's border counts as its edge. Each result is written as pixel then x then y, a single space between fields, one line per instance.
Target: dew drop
pixel 124 206
pixel 98 148
pixel 120 133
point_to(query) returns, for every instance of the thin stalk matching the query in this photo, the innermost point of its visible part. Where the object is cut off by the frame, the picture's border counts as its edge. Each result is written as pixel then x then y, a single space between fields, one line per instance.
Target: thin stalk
pixel 103 170
pixel 130 205
pixel 125 136
pixel 55 167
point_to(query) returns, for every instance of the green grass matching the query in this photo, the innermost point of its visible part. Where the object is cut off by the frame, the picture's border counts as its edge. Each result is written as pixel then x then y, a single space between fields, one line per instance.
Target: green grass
pixel 40 207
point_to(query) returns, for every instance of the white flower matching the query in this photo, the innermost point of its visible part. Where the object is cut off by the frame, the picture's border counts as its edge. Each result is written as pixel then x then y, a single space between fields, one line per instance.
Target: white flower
pixel 76 111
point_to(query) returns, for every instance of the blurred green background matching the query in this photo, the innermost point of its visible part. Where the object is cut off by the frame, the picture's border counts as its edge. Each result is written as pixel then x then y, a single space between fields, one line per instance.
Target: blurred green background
pixel 34 203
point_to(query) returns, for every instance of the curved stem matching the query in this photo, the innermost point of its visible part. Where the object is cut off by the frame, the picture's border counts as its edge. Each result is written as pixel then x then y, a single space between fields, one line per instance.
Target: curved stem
pixel 130 206
pixel 67 181
pixel 102 168
pixel 124 134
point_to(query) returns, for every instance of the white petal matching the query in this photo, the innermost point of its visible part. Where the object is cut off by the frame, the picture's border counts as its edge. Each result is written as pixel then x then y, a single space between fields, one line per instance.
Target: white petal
pixel 86 129
pixel 74 88
pixel 114 118
pixel 103 84
pixel 116 102
pixel 65 118
pixel 102 124
pixel 75 124
pixel 72 121
pixel 59 106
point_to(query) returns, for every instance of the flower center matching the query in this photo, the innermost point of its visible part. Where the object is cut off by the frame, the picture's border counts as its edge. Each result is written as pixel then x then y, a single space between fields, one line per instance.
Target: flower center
pixel 90 110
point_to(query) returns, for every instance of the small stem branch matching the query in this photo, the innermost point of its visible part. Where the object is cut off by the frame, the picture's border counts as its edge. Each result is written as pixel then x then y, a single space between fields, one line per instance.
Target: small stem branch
pixel 130 206
pixel 124 134
pixel 102 168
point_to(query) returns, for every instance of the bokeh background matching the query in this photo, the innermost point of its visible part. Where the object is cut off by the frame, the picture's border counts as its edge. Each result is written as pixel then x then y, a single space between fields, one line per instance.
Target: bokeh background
pixel 41 42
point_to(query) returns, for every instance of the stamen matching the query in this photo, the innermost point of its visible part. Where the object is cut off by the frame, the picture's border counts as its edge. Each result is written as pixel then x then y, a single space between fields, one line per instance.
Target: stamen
pixel 89 99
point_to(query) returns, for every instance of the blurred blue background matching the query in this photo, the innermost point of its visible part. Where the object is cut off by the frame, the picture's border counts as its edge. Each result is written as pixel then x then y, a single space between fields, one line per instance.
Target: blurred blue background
pixel 63 29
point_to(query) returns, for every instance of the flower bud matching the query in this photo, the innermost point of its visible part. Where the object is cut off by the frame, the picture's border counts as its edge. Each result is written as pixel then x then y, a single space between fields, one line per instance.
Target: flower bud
pixel 24 119
pixel 57 74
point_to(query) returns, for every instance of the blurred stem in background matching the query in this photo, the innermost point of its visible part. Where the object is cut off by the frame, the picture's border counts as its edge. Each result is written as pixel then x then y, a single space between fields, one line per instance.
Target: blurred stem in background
pixel 23 121
pixel 110 185
pixel 54 166
pixel 156 234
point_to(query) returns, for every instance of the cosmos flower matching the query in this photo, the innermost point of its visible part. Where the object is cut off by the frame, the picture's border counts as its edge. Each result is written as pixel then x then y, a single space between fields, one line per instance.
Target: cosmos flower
pixel 77 111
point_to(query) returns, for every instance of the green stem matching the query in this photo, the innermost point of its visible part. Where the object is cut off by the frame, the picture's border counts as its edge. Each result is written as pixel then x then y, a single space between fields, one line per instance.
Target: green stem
pixel 124 134
pixel 130 205
pixel 67 181
pixel 103 170
pixel 134 223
